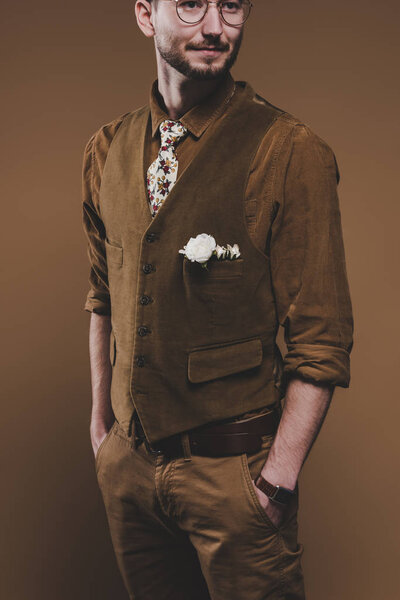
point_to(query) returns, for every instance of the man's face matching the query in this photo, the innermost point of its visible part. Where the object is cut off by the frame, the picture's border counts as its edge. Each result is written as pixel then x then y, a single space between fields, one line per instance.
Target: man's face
pixel 202 51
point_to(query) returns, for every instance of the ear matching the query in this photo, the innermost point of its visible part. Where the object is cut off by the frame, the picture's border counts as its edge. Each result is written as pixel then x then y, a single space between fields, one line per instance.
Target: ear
pixel 144 11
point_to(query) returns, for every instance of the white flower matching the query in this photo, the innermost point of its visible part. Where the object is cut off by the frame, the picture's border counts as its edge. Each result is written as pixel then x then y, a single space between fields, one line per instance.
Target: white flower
pixel 200 248
pixel 233 250
pixel 220 251
pixel 203 246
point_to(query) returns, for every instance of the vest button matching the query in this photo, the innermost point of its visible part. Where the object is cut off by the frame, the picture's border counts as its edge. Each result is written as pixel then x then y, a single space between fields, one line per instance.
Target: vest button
pixel 148 267
pixel 140 360
pixel 145 299
pixel 150 237
pixel 143 330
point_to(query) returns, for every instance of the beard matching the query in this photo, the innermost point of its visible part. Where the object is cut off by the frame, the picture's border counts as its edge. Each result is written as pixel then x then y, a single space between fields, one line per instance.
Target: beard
pixel 168 49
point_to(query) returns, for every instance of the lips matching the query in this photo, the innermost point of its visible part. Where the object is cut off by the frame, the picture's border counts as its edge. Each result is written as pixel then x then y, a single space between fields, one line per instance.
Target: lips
pixel 210 52
pixel 208 48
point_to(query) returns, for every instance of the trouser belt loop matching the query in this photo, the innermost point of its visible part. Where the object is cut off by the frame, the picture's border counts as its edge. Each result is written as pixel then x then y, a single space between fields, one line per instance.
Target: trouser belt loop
pixel 137 441
pixel 186 446
pixel 137 431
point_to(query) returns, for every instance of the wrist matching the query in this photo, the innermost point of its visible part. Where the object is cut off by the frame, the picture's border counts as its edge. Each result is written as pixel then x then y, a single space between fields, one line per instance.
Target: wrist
pixel 284 477
pixel 276 493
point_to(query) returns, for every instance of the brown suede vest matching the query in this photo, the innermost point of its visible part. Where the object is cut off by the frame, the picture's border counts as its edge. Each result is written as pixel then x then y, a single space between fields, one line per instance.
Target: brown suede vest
pixel 188 346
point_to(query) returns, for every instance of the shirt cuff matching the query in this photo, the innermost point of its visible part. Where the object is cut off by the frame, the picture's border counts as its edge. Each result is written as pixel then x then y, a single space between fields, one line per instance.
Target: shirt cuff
pixel 319 363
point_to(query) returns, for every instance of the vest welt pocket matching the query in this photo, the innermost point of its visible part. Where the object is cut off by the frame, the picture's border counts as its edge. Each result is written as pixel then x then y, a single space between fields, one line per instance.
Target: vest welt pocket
pixel 212 362
pixel 114 253
pixel 216 269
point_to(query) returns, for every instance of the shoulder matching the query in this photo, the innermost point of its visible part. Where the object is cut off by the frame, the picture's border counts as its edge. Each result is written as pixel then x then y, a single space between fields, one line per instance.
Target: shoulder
pixel 305 140
pixel 297 140
pixel 300 136
pixel 98 145
pixel 99 142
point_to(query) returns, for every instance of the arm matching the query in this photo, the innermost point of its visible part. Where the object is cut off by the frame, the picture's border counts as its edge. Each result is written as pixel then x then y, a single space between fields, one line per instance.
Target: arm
pixel 94 158
pixel 98 298
pixel 101 371
pixel 313 304
pixel 305 409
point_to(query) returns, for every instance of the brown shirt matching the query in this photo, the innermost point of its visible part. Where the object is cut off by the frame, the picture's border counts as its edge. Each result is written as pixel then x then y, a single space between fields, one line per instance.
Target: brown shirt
pixel 292 214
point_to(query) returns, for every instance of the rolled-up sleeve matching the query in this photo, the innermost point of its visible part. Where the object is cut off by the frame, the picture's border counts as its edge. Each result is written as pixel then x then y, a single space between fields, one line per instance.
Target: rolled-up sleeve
pixel 308 267
pixel 98 297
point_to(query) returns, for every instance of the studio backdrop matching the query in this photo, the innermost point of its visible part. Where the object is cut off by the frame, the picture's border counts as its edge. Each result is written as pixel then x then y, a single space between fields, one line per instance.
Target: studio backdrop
pixel 70 67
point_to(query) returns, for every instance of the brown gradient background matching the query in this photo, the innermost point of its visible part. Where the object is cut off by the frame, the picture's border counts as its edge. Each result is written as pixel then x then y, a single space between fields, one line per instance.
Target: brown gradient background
pixel 71 66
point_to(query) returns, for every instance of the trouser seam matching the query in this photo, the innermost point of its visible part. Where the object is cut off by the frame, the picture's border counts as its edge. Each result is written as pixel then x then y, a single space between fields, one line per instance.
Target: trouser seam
pixel 281 569
pixel 170 493
pixel 160 492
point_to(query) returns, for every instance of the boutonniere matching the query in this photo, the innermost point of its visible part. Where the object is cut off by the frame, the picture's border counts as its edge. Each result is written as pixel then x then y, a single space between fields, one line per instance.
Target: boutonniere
pixel 202 247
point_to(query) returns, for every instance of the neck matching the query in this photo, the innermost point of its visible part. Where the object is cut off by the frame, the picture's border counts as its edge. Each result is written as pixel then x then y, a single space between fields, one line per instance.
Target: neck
pixel 180 93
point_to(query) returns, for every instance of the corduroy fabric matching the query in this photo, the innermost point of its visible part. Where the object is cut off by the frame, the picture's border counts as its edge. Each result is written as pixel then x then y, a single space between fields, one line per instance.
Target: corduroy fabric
pixel 191 309
pixel 295 228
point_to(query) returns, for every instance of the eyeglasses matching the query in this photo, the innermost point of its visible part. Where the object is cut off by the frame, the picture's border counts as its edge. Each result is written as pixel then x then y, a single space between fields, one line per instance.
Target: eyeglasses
pixel 233 13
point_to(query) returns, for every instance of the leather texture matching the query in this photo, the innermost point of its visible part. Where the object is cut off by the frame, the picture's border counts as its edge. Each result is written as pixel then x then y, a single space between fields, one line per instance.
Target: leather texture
pixel 222 439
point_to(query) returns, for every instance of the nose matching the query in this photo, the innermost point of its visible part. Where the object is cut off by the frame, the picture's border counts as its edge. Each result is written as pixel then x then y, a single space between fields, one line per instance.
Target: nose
pixel 212 22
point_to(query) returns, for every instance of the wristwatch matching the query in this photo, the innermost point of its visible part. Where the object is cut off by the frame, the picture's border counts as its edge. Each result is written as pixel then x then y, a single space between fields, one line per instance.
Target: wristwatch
pixel 277 493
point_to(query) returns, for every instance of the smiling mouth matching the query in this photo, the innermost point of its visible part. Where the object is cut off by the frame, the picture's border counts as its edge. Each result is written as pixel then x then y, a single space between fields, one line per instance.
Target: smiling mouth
pixel 209 51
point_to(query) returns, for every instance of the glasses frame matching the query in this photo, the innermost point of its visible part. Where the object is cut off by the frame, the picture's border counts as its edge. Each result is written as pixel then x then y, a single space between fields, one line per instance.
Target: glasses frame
pixel 219 6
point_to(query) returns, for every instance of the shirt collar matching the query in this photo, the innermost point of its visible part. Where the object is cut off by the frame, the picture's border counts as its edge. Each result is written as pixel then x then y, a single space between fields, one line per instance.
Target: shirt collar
pixel 199 117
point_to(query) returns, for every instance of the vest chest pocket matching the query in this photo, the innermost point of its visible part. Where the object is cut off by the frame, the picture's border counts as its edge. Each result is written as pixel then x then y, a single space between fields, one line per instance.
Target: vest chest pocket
pixel 223 269
pixel 220 288
pixel 114 254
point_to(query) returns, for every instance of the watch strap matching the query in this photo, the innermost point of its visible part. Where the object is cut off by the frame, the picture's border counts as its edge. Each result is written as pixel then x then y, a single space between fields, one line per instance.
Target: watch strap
pixel 276 493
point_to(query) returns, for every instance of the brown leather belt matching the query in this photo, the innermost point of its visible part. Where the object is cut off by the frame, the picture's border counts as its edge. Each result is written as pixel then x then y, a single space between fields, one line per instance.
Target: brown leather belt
pixel 221 439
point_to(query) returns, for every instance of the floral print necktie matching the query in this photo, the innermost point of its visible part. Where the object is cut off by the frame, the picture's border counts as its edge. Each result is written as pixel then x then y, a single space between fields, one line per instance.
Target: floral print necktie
pixel 162 173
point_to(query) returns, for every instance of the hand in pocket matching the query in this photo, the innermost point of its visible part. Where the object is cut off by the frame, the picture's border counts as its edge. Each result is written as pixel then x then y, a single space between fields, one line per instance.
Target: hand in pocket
pixel 273 510
pixel 98 435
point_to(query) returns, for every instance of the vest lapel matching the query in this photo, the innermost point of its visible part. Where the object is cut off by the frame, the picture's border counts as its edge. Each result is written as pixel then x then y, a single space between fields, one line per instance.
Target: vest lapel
pixel 141 167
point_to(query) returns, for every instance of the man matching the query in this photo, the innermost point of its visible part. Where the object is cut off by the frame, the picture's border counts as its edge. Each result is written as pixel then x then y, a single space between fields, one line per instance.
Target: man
pixel 212 217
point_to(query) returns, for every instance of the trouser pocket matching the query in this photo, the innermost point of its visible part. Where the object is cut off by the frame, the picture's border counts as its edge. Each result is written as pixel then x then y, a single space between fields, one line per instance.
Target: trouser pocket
pixel 103 445
pixel 251 467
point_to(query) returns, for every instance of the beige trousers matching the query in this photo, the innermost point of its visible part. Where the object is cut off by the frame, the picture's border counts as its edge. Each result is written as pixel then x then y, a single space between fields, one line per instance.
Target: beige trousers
pixel 192 528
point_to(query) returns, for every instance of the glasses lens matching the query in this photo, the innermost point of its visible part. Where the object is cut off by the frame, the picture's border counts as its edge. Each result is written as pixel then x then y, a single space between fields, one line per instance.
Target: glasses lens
pixel 234 13
pixel 191 11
